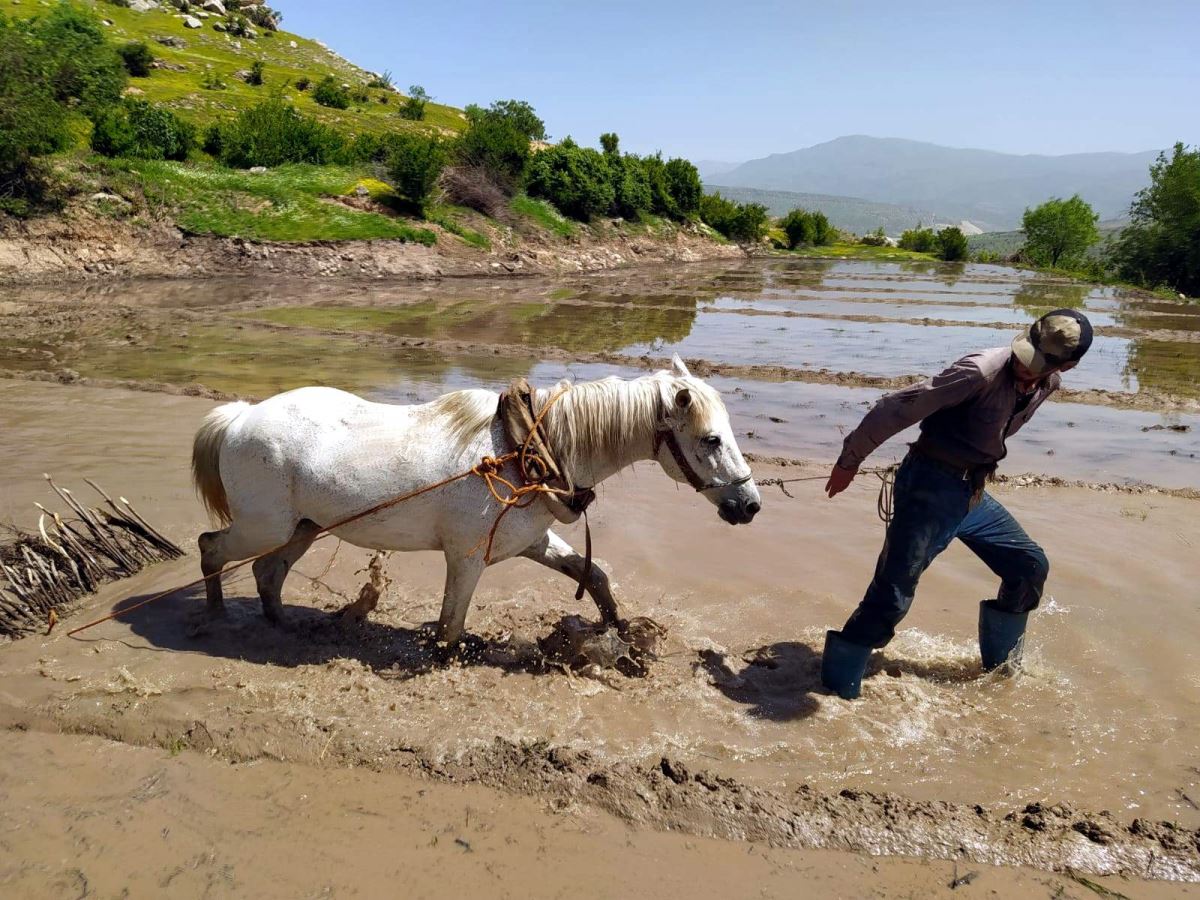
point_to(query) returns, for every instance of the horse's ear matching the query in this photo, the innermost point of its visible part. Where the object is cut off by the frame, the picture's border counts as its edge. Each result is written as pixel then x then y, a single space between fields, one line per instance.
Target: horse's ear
pixel 683 398
pixel 678 368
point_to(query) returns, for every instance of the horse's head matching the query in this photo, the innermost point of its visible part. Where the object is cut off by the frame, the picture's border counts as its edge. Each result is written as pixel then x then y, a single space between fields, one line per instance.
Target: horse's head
pixel 694 444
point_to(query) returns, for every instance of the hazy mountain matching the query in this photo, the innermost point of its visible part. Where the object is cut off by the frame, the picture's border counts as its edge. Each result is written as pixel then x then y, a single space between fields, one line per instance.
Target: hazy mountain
pixel 712 168
pixel 989 188
pixel 846 213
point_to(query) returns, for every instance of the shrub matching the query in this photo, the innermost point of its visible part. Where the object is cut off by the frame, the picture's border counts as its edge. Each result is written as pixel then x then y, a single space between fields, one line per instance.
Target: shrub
pixel 303 83
pixel 498 147
pixel 631 187
pixel 662 202
pixel 78 63
pixel 799 228
pixel 951 244
pixel 413 107
pixel 474 188
pixel 256 73
pixel 517 113
pixel 743 222
pixel 577 180
pixel 414 163
pixel 382 81
pixel 263 16
pixel 31 122
pixel 211 81
pixel 610 143
pixel 875 239
pixel 922 240
pixel 273 133
pixel 138 129
pixel 213 140
pixel 237 25
pixel 1162 244
pixel 683 186
pixel 329 93
pixel 137 58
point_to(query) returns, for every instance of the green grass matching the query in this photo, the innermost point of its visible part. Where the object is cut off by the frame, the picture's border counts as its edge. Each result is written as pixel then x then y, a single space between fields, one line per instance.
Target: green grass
pixel 211 52
pixel 543 214
pixel 288 203
pixel 861 251
pixel 448 218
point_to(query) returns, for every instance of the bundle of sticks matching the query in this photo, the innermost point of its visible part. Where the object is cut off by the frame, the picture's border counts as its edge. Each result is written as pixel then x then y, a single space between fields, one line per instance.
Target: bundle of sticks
pixel 70 556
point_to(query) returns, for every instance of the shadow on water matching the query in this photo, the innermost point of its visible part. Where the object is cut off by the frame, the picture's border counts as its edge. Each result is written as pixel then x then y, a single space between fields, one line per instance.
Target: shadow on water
pixel 779 682
pixel 313 637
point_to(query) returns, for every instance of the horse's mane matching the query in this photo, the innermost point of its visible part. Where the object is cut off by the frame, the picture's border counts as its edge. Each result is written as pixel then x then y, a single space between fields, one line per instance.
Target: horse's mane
pixel 591 420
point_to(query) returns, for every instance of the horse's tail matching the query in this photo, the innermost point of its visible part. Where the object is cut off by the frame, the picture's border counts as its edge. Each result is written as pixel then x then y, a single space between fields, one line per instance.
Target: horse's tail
pixel 206 458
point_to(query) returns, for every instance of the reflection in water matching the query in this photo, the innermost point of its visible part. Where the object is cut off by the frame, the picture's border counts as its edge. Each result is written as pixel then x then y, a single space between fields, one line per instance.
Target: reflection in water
pixel 1041 297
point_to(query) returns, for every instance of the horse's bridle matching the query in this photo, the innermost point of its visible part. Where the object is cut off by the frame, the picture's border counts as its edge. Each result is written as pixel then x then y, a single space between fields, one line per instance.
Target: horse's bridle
pixel 666 436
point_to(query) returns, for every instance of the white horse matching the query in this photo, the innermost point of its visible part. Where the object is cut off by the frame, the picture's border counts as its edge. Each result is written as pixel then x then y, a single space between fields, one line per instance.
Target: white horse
pixel 276 471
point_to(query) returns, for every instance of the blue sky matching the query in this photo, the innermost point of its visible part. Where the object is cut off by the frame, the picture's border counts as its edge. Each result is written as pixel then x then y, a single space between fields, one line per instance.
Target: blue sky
pixel 735 81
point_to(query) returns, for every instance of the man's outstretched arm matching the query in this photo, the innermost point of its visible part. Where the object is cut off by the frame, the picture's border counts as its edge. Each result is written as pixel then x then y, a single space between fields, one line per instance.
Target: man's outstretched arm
pixel 898 410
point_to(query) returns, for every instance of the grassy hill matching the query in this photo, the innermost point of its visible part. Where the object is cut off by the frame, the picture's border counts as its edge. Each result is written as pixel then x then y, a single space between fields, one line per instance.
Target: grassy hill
pixel 208 55
pixel 846 213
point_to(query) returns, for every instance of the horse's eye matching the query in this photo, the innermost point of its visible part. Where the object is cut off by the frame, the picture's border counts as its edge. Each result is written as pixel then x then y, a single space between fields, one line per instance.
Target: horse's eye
pixel 712 440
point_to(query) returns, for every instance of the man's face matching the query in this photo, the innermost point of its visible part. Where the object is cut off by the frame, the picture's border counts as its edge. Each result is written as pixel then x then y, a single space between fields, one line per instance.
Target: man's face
pixel 1028 380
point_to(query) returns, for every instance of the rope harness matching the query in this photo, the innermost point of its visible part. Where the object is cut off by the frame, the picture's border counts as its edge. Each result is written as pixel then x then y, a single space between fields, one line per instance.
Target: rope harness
pixel 884 503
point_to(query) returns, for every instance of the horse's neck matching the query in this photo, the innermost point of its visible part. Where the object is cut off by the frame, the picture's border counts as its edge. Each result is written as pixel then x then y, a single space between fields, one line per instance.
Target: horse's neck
pixel 630 438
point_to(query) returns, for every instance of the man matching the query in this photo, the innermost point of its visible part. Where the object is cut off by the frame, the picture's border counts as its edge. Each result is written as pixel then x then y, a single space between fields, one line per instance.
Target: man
pixel 966 414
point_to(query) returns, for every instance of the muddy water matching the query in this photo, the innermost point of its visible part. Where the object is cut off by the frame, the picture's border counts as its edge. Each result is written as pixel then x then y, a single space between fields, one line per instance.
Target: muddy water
pixel 1106 717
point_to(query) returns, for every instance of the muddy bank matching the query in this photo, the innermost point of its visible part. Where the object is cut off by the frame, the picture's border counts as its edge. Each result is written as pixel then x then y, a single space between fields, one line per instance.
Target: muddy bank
pixel 82 246
pixel 84 816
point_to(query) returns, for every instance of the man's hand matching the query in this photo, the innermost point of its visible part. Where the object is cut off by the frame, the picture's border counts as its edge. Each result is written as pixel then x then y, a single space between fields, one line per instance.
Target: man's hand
pixel 839 480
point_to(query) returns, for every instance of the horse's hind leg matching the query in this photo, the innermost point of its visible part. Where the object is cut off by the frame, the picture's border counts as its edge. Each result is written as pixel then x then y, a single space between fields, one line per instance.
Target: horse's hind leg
pixel 462 575
pixel 212 561
pixel 553 552
pixel 271 570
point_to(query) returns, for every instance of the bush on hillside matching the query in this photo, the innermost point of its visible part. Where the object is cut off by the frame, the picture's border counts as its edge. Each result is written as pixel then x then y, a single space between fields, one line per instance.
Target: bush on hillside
pixel 577 180
pixel 273 133
pixel 921 240
pixel 498 147
pixel 876 238
pixel 1162 244
pixel 303 83
pixel 382 81
pixel 136 128
pixel 474 188
pixel 662 202
pixel 414 163
pixel 951 244
pixel 329 93
pixel 32 123
pixel 804 227
pixel 137 58
pixel 79 65
pixel 742 222
pixel 631 187
pixel 255 78
pixel 413 107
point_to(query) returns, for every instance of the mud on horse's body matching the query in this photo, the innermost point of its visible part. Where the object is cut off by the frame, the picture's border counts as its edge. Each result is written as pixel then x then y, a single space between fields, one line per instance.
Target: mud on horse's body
pixel 275 472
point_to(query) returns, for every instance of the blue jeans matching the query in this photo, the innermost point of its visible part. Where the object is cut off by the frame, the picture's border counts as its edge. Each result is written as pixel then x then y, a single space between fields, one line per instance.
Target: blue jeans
pixel 932 507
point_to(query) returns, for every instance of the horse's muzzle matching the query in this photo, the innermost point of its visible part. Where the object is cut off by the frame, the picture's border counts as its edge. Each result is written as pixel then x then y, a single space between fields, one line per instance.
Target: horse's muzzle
pixel 738 511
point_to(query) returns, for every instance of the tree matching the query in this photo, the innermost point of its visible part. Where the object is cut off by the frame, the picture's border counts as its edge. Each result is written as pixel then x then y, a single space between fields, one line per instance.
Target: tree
pixel 1059 231
pixel 80 66
pixel 823 232
pixel 32 123
pixel 922 240
pixel 951 244
pixel 798 226
pixel 413 107
pixel 517 113
pixel 256 73
pixel 610 143
pixel 138 129
pixel 631 187
pixel 414 163
pixel 1162 245
pixel 743 222
pixel 684 186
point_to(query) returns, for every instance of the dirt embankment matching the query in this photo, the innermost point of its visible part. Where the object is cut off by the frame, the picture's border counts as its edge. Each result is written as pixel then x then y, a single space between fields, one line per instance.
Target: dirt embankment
pixel 83 245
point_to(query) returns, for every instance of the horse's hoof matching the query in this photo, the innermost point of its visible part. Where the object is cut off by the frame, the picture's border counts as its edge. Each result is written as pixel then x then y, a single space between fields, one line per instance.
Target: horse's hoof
pixel 444 654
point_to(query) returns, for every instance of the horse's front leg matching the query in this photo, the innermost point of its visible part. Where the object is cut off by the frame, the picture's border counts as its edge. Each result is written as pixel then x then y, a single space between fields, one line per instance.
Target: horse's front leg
pixel 553 552
pixel 462 575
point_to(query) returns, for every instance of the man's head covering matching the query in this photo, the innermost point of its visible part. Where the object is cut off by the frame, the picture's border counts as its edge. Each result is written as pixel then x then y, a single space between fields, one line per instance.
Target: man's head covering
pixel 1058 337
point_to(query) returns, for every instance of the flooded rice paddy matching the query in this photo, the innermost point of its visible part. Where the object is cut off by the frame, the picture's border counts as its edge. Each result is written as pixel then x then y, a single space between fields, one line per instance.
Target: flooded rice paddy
pixel 1106 717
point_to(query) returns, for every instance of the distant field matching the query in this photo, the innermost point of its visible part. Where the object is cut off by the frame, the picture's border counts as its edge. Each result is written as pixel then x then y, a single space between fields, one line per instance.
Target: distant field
pixel 846 213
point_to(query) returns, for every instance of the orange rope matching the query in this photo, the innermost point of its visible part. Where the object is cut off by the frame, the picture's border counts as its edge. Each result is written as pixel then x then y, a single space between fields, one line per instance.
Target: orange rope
pixel 488 469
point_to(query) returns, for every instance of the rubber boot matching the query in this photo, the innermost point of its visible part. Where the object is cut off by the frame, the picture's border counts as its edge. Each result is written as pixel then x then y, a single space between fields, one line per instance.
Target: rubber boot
pixel 842 665
pixel 1001 635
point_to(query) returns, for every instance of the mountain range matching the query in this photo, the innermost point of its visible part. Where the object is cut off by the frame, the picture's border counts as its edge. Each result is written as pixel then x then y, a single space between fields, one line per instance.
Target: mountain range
pixel 988 188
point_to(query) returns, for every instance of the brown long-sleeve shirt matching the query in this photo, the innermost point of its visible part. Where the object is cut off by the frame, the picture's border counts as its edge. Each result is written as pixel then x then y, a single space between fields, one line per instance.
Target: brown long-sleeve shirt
pixel 966 413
